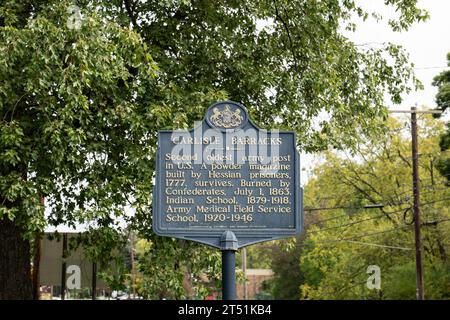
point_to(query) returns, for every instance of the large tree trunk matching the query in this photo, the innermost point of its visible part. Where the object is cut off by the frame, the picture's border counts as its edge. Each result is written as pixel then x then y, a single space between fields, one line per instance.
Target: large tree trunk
pixel 15 277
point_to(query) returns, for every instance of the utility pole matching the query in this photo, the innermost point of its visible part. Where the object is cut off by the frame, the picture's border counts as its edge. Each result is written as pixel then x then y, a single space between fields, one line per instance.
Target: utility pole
pixel 416 207
pixel 420 294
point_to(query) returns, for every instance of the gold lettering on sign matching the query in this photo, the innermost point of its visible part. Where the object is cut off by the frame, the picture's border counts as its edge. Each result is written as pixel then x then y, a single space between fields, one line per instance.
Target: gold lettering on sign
pixel 270 167
pixel 224 193
pixel 181 157
pixel 179 200
pixel 224 175
pixel 180 218
pixel 174 174
pixel 254 141
pixel 195 140
pixel 247 183
pixel 213 209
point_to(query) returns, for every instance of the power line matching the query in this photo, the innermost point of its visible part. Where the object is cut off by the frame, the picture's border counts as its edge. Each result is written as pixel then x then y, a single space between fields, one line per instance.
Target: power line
pixel 435 222
pixel 336 217
pixel 379 245
pixel 365 235
pixel 370 206
pixel 331 208
pixel 434 190
pixel 367 219
pixel 346 215
pixel 360 221
pixel 416 200
pixel 415 207
pixel 351 239
pixel 435 201
pixel 416 111
pixel 436 178
pixel 383 199
pixel 423 187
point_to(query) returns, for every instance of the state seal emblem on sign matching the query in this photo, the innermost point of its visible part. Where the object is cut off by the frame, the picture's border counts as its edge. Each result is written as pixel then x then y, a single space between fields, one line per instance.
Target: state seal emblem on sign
pixel 226 118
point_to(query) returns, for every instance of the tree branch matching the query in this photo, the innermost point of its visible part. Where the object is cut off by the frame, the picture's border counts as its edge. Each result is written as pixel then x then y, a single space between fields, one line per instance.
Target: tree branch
pixel 403 158
pixel 286 27
pixel 128 8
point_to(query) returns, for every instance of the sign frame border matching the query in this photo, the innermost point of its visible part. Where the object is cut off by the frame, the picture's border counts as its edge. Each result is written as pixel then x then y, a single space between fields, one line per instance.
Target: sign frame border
pixel 245 236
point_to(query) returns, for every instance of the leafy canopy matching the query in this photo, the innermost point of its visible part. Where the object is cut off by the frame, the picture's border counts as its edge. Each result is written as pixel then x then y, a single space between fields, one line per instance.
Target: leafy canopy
pixel 342 243
pixel 442 82
pixel 80 106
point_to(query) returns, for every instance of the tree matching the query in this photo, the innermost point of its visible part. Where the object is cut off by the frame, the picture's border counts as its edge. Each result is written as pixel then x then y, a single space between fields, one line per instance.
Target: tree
pixel 84 90
pixel 442 82
pixel 68 125
pixel 287 275
pixel 344 238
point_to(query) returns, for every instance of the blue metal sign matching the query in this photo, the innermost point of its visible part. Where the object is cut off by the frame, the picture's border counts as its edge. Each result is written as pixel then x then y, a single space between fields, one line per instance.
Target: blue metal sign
pixel 227 183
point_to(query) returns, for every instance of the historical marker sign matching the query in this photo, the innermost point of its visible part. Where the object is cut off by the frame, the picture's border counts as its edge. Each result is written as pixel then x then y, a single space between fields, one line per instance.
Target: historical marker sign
pixel 227 174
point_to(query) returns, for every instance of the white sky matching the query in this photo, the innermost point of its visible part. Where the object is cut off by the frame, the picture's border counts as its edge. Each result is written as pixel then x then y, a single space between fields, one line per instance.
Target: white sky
pixel 427 43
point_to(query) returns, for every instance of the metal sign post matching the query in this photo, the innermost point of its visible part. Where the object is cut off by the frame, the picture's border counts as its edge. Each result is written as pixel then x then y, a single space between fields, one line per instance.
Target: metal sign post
pixel 228 184
pixel 229 248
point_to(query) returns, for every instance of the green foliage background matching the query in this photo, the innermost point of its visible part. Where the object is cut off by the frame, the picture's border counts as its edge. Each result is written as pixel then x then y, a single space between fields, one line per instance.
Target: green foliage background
pixel 80 108
pixel 340 244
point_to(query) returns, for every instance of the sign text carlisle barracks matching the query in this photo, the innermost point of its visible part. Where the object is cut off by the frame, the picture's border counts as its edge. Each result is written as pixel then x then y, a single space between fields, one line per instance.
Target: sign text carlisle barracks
pixel 227 174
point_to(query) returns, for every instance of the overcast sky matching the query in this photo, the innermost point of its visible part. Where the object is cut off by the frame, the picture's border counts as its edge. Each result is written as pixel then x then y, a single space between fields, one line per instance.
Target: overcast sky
pixel 427 44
